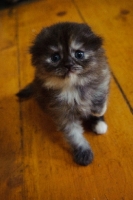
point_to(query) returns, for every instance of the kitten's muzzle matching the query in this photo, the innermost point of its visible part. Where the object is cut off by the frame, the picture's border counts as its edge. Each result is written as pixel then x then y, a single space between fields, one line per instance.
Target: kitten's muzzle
pixel 69 66
pixel 69 69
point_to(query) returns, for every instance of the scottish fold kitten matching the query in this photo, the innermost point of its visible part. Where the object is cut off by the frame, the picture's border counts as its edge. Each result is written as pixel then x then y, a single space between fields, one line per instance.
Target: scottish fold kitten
pixel 71 82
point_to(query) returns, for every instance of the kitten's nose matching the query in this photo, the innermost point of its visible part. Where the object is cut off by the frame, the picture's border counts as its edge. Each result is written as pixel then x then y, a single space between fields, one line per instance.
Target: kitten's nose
pixel 68 65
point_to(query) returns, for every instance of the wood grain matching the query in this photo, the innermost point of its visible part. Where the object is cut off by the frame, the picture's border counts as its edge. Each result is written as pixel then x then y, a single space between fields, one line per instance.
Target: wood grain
pixel 11 178
pixel 35 161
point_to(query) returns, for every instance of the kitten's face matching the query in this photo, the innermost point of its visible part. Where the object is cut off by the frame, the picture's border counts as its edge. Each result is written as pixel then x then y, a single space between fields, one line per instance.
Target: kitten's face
pixel 65 49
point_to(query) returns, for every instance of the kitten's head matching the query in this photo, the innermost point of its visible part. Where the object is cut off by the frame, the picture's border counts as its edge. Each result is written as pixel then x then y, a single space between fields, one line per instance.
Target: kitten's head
pixel 64 49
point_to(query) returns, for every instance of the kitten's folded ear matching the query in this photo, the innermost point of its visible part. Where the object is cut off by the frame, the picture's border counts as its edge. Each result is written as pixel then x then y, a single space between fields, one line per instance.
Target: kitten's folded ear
pixel 37 47
pixel 95 42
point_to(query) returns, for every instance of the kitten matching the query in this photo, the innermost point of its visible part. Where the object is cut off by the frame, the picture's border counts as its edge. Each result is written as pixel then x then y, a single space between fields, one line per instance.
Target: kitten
pixel 71 82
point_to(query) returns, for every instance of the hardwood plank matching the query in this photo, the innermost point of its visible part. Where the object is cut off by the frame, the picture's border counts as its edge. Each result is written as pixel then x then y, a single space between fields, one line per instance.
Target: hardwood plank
pixel 113 20
pixel 11 177
pixel 7 28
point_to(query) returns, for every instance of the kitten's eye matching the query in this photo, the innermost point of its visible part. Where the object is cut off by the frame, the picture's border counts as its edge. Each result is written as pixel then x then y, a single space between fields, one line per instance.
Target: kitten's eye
pixel 55 57
pixel 79 54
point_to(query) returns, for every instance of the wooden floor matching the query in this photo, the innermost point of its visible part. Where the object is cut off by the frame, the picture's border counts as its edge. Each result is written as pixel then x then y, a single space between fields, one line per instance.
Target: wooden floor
pixel 35 161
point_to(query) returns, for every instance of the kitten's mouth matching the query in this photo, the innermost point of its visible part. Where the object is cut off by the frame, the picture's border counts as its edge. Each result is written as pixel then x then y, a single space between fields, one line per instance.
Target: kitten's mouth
pixel 69 73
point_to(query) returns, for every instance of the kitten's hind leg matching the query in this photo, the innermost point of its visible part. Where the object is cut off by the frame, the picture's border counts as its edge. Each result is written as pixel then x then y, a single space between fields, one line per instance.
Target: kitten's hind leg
pixel 98 125
pixel 82 151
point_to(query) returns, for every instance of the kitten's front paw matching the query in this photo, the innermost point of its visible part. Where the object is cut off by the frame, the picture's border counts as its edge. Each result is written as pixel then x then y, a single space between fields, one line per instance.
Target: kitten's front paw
pixel 83 157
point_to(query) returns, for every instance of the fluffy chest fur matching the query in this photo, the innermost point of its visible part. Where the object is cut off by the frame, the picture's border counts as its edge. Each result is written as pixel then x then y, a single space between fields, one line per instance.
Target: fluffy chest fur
pixel 76 98
pixel 71 96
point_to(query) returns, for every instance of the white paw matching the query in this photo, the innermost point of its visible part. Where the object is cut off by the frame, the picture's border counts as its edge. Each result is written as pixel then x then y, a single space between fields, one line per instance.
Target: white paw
pixel 101 127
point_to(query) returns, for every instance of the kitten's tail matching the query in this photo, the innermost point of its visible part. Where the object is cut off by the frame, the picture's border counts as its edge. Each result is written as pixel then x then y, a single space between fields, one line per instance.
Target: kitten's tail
pixel 26 92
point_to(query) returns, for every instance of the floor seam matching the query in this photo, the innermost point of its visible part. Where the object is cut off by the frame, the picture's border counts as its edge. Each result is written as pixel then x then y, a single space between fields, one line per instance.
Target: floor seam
pixel 122 92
